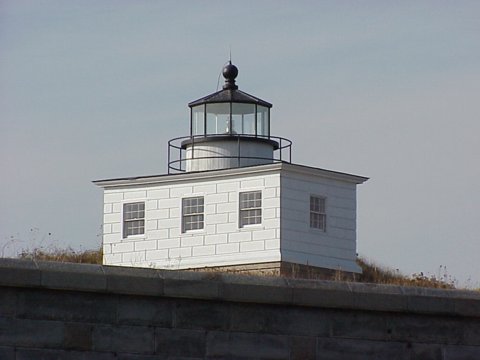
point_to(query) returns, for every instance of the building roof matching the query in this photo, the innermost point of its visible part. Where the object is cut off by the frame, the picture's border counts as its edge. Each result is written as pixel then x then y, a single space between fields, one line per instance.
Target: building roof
pixel 230 92
pixel 228 95
pixel 247 170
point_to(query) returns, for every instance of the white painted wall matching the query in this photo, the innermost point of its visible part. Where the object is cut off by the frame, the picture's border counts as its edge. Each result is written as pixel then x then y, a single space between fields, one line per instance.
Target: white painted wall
pixel 334 248
pixel 221 242
pixel 221 150
pixel 284 235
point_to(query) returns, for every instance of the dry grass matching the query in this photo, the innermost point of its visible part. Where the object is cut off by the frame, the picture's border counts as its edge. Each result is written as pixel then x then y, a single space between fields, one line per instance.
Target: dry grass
pixel 372 273
pixel 64 255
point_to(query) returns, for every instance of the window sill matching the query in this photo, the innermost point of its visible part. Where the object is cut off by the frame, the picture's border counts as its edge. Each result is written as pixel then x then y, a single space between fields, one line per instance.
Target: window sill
pixel 193 232
pixel 134 237
pixel 252 227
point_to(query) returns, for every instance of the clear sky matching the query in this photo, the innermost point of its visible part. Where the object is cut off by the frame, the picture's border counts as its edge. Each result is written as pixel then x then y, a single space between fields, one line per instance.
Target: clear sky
pixel 385 89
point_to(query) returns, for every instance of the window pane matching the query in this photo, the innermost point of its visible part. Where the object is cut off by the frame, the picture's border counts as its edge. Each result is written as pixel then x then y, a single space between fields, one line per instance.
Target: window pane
pixel 193 222
pixel 218 118
pixel 250 217
pixel 135 227
pixel 133 211
pixel 262 120
pixel 198 116
pixel 318 217
pixel 133 219
pixel 321 205
pixel 250 208
pixel 322 222
pixel 192 213
pixel 243 118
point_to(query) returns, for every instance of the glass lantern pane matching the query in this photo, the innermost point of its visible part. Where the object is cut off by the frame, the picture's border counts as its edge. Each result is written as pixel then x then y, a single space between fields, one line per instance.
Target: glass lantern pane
pixel 262 121
pixel 198 117
pixel 243 118
pixel 218 118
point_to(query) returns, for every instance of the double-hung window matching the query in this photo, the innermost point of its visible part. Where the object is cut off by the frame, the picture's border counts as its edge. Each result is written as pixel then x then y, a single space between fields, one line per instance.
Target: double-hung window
pixel 318 216
pixel 133 219
pixel 250 208
pixel 192 213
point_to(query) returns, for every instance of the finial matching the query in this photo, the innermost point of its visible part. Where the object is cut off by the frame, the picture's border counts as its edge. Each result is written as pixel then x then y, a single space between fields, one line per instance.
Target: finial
pixel 230 72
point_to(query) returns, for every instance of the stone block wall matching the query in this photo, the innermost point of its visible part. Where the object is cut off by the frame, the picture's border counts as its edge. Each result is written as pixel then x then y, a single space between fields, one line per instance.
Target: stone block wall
pixel 79 312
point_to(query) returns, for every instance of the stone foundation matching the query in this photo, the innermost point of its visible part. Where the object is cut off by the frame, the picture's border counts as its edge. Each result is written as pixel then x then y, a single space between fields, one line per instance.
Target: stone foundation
pixel 282 268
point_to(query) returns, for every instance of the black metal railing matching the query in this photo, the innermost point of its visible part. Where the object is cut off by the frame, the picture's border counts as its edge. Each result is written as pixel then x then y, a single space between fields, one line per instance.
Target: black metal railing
pixel 177 150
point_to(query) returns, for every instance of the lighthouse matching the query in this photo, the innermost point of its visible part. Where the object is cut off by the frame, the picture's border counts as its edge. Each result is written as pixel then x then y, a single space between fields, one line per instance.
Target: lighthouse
pixel 232 199
pixel 228 129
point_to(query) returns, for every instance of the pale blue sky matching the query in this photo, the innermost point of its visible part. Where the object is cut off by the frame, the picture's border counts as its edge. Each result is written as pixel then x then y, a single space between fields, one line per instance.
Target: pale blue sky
pixel 389 90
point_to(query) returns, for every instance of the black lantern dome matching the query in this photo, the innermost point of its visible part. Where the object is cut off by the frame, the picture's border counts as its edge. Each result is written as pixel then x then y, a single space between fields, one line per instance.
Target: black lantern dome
pixel 230 72
pixel 230 111
pixel 226 116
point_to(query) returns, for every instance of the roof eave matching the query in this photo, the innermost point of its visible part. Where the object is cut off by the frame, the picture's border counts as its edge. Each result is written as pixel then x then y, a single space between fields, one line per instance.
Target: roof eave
pixel 248 99
pixel 256 169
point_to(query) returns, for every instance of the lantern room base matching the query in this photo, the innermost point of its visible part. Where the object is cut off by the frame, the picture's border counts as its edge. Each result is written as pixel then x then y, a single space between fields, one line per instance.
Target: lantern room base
pixel 217 152
pixel 227 153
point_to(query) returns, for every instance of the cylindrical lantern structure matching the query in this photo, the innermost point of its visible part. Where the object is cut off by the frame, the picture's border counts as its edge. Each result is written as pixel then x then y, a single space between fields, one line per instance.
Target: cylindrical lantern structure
pixel 228 129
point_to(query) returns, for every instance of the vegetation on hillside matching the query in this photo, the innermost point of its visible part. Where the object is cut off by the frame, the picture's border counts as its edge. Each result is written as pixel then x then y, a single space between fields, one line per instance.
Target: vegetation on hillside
pixel 64 255
pixel 372 273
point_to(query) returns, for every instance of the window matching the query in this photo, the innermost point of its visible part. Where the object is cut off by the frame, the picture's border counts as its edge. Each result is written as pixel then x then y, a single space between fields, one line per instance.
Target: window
pixel 198 120
pixel 262 121
pixel 192 213
pixel 250 208
pixel 133 219
pixel 318 217
pixel 218 118
pixel 243 118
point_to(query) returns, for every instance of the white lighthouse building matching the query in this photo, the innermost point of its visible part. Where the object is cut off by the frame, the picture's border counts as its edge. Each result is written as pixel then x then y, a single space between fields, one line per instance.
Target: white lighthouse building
pixel 232 199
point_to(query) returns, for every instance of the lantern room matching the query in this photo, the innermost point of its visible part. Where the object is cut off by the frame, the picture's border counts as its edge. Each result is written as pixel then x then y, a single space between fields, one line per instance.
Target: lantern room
pixel 228 129
pixel 230 111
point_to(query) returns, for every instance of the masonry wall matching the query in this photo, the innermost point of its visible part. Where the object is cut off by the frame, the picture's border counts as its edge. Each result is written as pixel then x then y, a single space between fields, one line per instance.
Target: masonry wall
pixel 334 248
pixel 79 312
pixel 221 242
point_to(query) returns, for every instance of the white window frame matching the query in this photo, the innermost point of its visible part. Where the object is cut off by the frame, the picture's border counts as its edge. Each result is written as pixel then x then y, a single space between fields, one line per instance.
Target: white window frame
pixel 245 210
pixel 193 214
pixel 125 221
pixel 320 213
